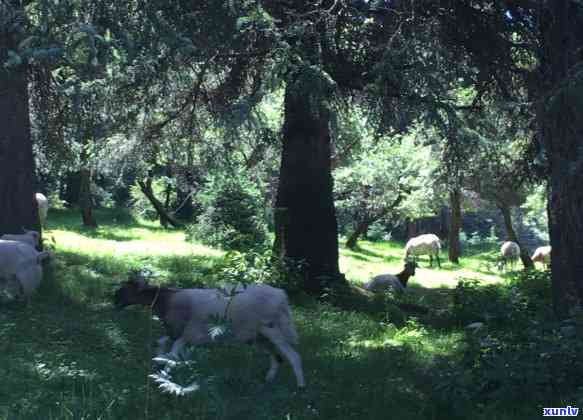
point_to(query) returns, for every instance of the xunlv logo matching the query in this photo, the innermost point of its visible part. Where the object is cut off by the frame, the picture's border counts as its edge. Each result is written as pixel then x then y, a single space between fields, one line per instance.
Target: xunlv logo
pixel 561 412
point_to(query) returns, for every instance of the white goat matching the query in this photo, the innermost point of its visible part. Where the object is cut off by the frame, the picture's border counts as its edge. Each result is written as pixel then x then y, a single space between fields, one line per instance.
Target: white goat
pixel 397 282
pixel 510 253
pixel 20 267
pixel 43 207
pixel 428 244
pixel 29 237
pixel 543 255
pixel 258 314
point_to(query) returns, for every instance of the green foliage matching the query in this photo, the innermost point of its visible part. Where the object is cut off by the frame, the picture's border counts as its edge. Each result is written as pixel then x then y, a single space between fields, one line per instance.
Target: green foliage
pixel 528 354
pixel 392 179
pixel 232 214
pixel 535 214
pixel 141 206
pixel 474 243
pixel 260 267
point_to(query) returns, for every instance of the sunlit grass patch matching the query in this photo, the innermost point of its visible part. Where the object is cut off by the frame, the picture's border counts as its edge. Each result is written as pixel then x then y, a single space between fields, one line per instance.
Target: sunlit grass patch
pixel 374 258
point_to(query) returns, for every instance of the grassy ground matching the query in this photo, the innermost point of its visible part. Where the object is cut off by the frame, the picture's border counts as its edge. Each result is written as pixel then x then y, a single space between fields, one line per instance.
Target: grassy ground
pixel 68 355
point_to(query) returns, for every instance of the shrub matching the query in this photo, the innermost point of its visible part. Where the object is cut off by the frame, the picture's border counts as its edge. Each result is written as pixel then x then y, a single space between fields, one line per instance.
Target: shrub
pixel 260 267
pixel 528 352
pixel 232 215
pixel 474 302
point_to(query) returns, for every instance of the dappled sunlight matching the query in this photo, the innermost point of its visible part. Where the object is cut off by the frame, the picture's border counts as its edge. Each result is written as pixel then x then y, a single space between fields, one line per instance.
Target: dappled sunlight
pixel 372 259
pixel 156 244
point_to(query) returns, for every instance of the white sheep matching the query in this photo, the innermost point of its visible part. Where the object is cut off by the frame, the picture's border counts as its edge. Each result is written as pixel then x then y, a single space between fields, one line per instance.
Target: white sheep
pixel 428 244
pixel 258 314
pixel 29 237
pixel 543 255
pixel 510 253
pixel 20 267
pixel 398 282
pixel 43 207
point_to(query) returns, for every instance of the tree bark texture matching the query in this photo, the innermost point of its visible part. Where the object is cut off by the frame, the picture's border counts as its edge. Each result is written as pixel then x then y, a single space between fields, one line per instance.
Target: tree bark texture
pixel 85 201
pixel 511 236
pixel 305 190
pixel 561 131
pixel 455 204
pixel 18 206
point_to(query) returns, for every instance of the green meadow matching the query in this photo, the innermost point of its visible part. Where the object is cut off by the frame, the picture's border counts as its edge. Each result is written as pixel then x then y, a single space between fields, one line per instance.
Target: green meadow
pixel 67 354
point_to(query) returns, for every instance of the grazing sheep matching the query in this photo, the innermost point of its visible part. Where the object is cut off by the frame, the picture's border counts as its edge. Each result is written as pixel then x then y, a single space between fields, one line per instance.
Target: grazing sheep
pixel 397 282
pixel 258 313
pixel 29 237
pixel 20 265
pixel 428 244
pixel 43 207
pixel 510 253
pixel 543 255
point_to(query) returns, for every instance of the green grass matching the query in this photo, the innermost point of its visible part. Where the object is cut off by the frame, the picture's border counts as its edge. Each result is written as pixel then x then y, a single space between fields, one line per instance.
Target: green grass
pixel 68 355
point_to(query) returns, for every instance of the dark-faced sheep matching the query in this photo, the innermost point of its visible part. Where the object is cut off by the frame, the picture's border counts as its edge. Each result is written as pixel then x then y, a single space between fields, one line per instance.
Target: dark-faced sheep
pixel 428 244
pixel 258 314
pixel 397 282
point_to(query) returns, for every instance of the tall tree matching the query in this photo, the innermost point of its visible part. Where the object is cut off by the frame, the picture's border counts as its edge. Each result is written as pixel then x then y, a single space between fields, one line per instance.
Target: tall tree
pixel 560 120
pixel 17 204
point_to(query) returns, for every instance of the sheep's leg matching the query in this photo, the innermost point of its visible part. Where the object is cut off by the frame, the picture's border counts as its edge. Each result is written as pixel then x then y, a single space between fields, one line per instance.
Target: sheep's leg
pixel 286 351
pixel 275 359
pixel 177 347
pixel 162 345
pixel 273 368
pixel 438 262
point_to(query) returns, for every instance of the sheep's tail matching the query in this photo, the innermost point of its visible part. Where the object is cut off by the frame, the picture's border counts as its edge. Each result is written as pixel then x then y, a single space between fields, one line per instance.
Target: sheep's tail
pixel 286 322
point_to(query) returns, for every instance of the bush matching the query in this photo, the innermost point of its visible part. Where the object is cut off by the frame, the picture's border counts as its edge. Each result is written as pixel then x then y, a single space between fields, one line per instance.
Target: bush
pixel 232 215
pixel 527 352
pixel 260 267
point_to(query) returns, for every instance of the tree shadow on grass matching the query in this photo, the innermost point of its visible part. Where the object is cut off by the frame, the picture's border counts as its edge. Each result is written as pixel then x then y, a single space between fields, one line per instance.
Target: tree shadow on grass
pixel 364 254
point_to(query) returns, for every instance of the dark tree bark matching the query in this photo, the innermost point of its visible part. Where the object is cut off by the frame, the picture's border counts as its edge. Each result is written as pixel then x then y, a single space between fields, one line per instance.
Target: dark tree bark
pixel 305 190
pixel 561 131
pixel 165 217
pixel 280 222
pixel 511 236
pixel 455 204
pixel 85 201
pixel 18 206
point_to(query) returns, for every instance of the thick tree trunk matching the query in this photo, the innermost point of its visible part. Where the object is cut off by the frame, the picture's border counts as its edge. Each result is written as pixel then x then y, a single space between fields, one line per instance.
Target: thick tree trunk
pixel 455 204
pixel 18 206
pixel 511 236
pixel 305 189
pixel 280 222
pixel 361 229
pixel 85 201
pixel 165 217
pixel 561 130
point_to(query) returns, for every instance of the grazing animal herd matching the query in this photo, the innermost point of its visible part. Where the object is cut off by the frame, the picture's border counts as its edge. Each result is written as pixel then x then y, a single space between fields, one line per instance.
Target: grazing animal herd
pixel 258 314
